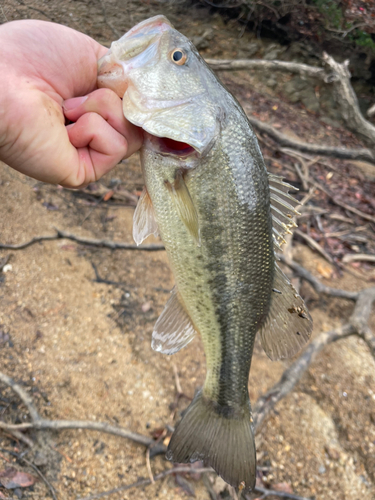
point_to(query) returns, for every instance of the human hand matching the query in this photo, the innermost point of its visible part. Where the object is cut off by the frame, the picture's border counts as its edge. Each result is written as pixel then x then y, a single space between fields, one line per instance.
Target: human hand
pixel 48 71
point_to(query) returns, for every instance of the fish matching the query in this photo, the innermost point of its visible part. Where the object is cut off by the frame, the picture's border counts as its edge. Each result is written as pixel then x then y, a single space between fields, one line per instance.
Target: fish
pixel 221 216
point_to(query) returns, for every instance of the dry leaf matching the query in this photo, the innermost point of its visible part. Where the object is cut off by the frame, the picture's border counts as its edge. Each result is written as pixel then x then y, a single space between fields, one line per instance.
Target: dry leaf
pixel 12 478
pixel 324 270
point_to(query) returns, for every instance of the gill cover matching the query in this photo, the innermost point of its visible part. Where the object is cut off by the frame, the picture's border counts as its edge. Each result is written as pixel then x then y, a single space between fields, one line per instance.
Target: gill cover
pixel 167 95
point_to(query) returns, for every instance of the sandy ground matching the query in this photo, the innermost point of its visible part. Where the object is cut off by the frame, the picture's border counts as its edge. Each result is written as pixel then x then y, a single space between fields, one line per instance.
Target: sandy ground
pixel 82 348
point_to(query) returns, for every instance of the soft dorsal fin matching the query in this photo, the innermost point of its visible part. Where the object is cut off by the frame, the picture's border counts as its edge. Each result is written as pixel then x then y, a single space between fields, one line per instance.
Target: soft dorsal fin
pixel 184 205
pixel 174 329
pixel 283 208
pixel 144 222
pixel 288 325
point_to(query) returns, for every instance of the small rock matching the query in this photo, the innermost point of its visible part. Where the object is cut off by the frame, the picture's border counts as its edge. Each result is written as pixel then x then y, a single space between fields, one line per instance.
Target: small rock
pixel 322 469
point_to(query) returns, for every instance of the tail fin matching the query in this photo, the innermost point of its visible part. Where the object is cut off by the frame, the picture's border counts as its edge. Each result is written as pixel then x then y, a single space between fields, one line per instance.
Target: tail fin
pixel 222 442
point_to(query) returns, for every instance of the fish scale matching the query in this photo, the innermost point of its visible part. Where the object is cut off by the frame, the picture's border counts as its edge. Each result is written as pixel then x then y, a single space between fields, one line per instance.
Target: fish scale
pixel 220 214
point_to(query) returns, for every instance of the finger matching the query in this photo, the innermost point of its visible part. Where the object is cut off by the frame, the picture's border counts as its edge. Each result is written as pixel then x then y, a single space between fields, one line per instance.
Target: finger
pixel 108 105
pixel 100 147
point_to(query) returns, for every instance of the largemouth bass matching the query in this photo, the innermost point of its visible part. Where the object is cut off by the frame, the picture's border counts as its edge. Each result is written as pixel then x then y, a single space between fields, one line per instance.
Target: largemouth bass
pixel 220 216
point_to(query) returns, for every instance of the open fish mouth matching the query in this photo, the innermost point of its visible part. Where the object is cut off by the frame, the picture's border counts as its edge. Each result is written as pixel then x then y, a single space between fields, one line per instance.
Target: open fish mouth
pixel 169 147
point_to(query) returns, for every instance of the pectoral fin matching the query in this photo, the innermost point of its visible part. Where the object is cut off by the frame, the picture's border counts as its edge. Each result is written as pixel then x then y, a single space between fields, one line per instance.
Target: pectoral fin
pixel 184 205
pixel 144 222
pixel 288 325
pixel 174 329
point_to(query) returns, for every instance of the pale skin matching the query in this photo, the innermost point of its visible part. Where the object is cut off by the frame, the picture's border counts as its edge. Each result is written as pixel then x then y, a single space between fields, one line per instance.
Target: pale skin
pixel 48 75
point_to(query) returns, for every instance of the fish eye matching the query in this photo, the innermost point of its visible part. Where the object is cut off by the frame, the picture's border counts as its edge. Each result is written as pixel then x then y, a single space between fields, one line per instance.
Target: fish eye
pixel 179 57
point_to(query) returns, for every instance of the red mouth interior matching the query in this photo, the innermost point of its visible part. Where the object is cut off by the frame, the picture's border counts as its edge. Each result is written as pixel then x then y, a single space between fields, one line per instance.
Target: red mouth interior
pixel 172 145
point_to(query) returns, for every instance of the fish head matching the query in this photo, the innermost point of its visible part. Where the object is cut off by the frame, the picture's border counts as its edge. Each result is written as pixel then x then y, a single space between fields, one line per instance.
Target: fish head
pixel 166 87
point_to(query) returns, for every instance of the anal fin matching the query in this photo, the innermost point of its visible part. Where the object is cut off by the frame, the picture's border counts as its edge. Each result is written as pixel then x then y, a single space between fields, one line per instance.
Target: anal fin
pixel 144 222
pixel 174 329
pixel 288 325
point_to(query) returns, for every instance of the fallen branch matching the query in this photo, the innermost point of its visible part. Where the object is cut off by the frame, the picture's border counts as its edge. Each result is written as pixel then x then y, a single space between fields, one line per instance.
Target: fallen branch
pixel 364 257
pixel 315 149
pixel 59 425
pixel 318 286
pixel 84 241
pixel 146 482
pixel 358 324
pixel 333 73
pixel 293 374
pixel 286 67
pixel 314 244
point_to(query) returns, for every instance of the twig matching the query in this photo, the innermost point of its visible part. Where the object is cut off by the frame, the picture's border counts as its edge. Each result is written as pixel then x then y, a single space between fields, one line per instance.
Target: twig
pixel 333 72
pixel 318 286
pixel 99 279
pixel 146 482
pixel 315 245
pixel 342 204
pixel 358 256
pixel 286 67
pixel 358 324
pixel 23 395
pixel 84 241
pixel 17 434
pixel 315 149
pixel 58 425
pixel 293 374
pixel 21 458
pixel 42 476
pixel 279 494
pixel 148 466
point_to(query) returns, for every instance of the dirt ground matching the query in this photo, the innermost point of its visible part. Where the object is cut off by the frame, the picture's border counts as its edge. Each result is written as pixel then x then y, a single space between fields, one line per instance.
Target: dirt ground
pixel 82 349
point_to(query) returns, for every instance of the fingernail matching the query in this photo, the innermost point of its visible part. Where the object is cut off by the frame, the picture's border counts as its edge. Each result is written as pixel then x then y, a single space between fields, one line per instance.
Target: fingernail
pixel 70 104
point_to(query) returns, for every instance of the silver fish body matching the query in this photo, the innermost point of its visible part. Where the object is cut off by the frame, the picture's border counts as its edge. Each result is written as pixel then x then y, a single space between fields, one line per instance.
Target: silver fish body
pixel 213 203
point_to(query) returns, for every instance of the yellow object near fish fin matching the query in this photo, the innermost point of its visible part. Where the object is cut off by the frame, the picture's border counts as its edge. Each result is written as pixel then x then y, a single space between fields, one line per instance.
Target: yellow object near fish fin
pixel 174 329
pixel 288 325
pixel 144 222
pixel 184 205
pixel 283 208
pixel 222 439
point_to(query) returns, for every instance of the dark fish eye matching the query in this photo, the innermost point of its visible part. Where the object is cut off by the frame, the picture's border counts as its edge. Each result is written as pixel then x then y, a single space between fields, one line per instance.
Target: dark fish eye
pixel 178 56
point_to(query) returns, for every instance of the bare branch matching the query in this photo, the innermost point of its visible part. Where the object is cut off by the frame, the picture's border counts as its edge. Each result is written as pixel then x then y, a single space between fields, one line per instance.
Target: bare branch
pixel 313 244
pixel 358 324
pixel 314 282
pixel 24 397
pixel 293 374
pixel 146 482
pixel 84 241
pixel 358 256
pixel 347 100
pixel 261 64
pixel 58 425
pixel 335 73
pixel 315 149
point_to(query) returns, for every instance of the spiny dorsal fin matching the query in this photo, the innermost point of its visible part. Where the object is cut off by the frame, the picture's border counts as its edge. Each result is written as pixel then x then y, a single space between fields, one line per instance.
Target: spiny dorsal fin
pixel 283 208
pixel 144 222
pixel 288 325
pixel 184 205
pixel 174 329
